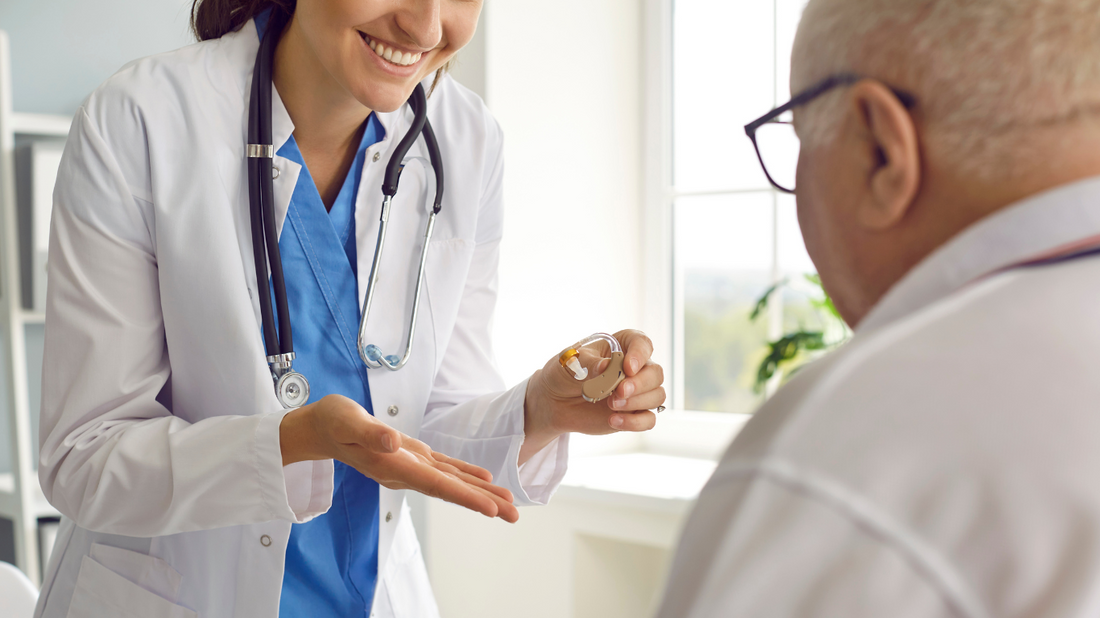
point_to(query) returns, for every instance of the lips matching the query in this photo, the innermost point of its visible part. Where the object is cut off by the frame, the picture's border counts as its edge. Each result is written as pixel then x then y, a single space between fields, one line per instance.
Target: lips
pixel 392 55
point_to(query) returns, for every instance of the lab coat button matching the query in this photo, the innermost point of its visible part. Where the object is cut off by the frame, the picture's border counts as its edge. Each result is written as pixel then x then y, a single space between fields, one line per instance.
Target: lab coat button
pixel 265 541
pixel 392 410
pixel 376 157
pixel 274 172
pixel 389 516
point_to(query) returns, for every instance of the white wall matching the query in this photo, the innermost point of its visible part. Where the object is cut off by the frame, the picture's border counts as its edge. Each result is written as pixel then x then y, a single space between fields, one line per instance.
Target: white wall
pixel 62 49
pixel 563 79
pixel 579 557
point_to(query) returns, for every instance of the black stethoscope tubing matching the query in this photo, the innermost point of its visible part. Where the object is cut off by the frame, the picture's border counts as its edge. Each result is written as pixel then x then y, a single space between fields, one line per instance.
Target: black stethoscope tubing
pixel 279 344
pixel 265 242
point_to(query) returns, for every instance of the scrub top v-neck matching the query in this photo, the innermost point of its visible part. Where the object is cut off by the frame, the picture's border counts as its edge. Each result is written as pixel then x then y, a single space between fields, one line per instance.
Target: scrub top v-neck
pixel 331 561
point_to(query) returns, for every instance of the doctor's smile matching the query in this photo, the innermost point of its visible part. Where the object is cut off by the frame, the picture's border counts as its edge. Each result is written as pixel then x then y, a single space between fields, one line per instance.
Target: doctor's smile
pixel 391 53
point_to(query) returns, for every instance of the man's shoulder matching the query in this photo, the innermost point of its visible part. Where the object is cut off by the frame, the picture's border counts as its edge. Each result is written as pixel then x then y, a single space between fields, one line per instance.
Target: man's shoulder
pixel 1002 353
pixel 938 442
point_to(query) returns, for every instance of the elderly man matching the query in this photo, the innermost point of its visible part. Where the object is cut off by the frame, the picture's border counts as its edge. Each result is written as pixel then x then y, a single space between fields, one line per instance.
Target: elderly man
pixel 946 461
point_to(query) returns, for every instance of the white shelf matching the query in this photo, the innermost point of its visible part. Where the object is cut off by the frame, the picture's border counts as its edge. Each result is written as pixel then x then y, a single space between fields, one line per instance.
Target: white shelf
pixel 32 317
pixel 646 481
pixel 42 508
pixel 49 125
pixel 25 506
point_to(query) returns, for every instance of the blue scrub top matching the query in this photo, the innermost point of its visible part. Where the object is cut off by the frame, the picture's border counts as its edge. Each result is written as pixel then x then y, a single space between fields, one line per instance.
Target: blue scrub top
pixel 332 560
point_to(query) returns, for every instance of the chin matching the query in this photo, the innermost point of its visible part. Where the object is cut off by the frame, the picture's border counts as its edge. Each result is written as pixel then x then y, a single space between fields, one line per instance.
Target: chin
pixel 387 98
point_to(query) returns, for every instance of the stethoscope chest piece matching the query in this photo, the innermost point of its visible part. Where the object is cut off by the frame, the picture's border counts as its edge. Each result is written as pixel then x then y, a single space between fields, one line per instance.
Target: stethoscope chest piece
pixel 292 389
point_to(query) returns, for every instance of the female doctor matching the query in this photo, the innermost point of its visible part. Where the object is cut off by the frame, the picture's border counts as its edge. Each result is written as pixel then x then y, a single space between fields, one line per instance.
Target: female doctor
pixel 187 486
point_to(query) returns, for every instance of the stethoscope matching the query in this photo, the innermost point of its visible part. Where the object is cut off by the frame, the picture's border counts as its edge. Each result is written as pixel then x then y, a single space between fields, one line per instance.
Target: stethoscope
pixel 291 387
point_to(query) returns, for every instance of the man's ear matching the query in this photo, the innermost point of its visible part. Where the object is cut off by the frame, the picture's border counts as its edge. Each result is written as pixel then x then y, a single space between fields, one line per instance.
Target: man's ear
pixel 892 151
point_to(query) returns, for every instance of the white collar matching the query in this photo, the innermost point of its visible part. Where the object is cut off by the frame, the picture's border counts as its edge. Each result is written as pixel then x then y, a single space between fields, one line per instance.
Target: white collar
pixel 1028 228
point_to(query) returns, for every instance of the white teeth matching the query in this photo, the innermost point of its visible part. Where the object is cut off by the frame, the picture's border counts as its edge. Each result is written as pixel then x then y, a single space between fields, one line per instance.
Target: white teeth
pixel 396 57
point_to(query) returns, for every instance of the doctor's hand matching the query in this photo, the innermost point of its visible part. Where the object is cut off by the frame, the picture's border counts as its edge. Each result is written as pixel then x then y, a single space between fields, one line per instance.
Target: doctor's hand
pixel 554 404
pixel 338 428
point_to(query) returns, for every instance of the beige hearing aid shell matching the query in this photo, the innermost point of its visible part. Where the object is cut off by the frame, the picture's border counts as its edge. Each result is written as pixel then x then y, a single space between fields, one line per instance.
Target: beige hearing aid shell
pixel 599 387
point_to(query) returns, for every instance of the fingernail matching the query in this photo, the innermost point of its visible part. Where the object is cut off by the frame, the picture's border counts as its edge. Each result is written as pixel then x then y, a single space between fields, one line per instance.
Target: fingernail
pixel 387 443
pixel 618 403
pixel 616 421
pixel 628 389
pixel 634 365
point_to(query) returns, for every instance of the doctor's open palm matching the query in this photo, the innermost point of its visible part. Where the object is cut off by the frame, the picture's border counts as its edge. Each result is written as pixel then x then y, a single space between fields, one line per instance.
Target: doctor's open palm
pixel 339 428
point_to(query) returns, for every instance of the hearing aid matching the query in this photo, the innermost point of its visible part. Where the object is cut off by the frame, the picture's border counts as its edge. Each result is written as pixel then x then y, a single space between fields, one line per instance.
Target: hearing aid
pixel 601 386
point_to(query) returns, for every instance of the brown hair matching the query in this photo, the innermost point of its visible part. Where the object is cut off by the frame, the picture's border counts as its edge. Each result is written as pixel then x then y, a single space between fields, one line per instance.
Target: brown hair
pixel 211 19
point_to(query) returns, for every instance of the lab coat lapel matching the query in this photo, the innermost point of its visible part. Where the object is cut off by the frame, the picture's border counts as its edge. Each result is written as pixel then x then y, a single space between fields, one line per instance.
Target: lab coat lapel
pixel 282 127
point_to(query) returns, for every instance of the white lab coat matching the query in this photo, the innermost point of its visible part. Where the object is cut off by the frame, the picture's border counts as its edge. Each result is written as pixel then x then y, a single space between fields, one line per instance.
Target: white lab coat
pixel 160 441
pixel 943 463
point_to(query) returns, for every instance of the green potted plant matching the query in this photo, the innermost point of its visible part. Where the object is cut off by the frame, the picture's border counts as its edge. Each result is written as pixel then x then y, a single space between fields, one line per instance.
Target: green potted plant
pixel 804 343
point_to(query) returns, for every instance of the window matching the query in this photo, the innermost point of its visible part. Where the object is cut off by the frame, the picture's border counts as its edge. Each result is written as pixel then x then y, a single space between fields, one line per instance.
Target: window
pixel 733 236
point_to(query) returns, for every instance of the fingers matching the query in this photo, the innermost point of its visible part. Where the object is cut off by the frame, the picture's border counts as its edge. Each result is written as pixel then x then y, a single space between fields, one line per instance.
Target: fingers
pixel 650 378
pixel 410 470
pixel 478 497
pixel 383 438
pixel 446 487
pixel 418 468
pixel 426 451
pixel 633 421
pixel 473 480
pixel 468 468
pixel 644 401
pixel 638 349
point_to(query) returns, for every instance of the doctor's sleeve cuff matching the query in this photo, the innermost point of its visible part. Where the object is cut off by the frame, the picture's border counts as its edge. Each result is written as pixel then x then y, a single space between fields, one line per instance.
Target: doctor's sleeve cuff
pixel 492 437
pixel 540 475
pixel 538 478
pixel 298 492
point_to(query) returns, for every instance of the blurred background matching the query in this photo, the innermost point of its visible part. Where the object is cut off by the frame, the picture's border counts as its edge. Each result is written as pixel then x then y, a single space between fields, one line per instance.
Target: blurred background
pixel 624 147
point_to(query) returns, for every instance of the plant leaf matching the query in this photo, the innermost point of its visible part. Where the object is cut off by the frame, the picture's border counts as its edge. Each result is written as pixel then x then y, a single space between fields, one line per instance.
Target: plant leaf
pixel 784 350
pixel 762 302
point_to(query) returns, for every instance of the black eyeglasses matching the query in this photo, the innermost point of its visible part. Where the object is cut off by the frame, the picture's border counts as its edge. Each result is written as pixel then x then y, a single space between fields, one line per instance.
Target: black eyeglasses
pixel 773 133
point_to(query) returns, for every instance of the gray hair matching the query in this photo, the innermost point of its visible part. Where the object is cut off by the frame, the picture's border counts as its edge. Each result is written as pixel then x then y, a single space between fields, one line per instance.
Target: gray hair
pixel 983 71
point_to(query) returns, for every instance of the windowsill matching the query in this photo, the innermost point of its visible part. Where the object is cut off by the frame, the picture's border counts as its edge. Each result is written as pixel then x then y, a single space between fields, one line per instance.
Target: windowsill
pixel 643 481
pixel 695 435
pixel 660 470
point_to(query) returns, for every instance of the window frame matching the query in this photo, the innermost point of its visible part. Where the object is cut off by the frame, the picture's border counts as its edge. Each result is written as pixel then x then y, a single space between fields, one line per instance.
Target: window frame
pixel 662 289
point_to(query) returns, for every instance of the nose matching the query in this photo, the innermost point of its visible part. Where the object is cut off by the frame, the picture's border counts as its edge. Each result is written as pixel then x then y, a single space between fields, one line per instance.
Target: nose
pixel 420 20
